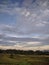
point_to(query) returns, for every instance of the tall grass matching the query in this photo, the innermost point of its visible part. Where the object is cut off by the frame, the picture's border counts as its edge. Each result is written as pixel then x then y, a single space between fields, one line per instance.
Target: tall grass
pixel 5 59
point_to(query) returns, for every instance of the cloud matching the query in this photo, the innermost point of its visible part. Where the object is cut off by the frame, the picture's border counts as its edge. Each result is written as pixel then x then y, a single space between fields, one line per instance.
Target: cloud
pixel 35 41
pixel 45 47
pixel 32 23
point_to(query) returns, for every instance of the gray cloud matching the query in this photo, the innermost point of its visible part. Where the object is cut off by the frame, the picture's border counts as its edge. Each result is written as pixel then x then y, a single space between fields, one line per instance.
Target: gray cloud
pixel 32 19
pixel 25 42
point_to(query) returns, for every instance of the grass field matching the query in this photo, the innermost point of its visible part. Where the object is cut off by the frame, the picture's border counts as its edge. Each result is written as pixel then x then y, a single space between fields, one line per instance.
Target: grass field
pixel 5 59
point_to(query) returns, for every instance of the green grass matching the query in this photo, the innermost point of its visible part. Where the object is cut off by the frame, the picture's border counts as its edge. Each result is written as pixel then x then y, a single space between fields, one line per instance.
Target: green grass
pixel 24 59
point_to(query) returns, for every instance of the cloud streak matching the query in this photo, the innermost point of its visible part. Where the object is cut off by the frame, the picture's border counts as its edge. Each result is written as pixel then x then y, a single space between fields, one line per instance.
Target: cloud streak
pixel 32 23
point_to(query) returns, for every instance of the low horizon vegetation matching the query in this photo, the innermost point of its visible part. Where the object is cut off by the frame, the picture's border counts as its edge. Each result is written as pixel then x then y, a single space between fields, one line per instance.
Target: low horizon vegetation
pixel 21 57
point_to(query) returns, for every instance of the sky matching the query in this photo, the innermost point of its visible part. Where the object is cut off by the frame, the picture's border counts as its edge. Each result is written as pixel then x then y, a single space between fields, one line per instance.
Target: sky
pixel 24 24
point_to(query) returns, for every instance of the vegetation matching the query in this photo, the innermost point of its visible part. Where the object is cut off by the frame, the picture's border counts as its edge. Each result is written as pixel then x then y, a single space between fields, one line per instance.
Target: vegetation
pixel 20 57
pixel 23 52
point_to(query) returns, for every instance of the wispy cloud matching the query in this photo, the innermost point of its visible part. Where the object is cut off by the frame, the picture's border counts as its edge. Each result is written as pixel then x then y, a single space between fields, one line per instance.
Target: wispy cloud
pixel 32 22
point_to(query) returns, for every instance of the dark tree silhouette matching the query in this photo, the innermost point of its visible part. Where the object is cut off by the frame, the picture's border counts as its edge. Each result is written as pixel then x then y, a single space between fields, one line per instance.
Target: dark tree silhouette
pixel 28 52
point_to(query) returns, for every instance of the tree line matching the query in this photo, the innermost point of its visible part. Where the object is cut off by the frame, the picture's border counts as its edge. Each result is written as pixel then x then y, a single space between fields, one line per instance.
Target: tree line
pixel 24 52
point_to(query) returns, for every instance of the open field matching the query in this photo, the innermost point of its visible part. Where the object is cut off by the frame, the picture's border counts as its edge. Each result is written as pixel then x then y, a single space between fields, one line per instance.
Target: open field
pixel 6 59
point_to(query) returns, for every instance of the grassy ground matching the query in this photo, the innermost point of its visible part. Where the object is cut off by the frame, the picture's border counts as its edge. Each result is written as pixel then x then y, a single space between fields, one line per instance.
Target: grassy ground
pixel 5 59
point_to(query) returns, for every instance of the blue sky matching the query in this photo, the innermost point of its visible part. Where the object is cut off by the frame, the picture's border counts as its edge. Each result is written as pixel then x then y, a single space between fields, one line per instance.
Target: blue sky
pixel 24 24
